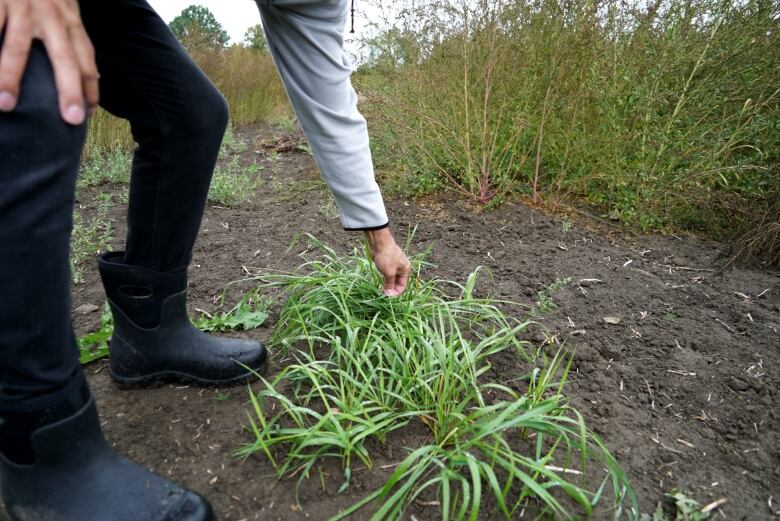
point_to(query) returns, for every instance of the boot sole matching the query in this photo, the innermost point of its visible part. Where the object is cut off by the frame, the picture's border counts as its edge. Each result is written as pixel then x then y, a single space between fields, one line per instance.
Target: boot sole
pixel 163 377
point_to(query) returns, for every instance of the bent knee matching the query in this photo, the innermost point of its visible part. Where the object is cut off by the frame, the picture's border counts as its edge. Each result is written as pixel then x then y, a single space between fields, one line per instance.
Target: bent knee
pixel 220 111
pixel 205 113
pixel 37 147
pixel 36 119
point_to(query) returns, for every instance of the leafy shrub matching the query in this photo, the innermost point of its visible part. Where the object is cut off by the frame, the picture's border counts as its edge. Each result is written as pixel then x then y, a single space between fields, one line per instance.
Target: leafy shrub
pixel 664 116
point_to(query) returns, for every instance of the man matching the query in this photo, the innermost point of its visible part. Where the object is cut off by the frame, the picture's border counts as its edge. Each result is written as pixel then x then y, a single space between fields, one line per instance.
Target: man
pixel 54 460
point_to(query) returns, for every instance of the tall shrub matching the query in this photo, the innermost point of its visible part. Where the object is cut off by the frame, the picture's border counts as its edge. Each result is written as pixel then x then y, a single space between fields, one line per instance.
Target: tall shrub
pixel 665 115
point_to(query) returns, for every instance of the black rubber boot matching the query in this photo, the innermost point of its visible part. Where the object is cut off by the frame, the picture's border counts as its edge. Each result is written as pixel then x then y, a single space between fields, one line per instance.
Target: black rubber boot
pixel 55 465
pixel 154 340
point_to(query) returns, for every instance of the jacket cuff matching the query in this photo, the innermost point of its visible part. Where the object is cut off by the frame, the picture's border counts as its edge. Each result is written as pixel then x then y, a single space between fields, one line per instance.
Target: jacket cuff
pixel 368 229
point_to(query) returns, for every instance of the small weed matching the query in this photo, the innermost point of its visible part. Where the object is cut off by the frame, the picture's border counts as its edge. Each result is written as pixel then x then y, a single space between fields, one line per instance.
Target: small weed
pixel 250 312
pixel 288 123
pixel 109 168
pixel 305 149
pixel 233 183
pixel 221 396
pixel 273 156
pixel 685 509
pixel 276 184
pixel 493 204
pixel 105 198
pixel 566 226
pixel 231 144
pixel 545 304
pixel 90 236
pixel 329 210
pixel 671 315
pixel 94 346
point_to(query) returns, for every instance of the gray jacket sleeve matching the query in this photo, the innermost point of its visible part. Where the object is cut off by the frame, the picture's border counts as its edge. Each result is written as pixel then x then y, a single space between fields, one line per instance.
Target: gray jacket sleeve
pixel 306 40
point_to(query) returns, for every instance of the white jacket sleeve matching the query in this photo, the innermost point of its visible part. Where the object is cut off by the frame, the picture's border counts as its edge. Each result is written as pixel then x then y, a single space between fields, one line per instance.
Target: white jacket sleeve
pixel 306 40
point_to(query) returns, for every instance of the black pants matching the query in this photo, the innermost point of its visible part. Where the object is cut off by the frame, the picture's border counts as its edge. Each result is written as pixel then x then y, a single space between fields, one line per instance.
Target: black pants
pixel 177 118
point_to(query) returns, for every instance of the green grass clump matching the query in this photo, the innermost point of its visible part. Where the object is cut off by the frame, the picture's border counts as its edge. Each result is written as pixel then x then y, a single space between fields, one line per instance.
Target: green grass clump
pixel 100 169
pixel 233 182
pixel 363 366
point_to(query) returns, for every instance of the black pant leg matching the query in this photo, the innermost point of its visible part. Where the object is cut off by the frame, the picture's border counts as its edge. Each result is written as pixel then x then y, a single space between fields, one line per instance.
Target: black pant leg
pixel 177 118
pixel 39 156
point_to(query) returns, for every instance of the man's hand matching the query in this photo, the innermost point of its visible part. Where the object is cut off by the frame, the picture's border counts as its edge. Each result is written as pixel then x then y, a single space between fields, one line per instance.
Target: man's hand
pixel 58 24
pixel 390 260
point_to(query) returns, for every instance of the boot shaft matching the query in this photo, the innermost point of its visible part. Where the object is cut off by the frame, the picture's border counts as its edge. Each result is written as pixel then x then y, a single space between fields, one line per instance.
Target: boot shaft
pixel 153 338
pixel 139 292
pixel 74 475
pixel 20 430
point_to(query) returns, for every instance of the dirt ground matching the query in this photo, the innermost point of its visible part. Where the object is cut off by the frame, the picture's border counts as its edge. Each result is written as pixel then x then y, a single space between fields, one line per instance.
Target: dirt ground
pixel 683 389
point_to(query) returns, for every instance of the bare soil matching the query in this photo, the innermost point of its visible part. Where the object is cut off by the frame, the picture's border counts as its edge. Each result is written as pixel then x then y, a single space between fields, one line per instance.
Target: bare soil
pixel 684 388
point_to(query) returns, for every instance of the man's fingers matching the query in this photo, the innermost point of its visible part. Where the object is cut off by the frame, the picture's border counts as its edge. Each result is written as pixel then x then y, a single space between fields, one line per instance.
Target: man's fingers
pixel 67 44
pixel 85 53
pixel 396 279
pixel 14 54
pixel 402 280
pixel 388 288
pixel 67 73
pixel 402 276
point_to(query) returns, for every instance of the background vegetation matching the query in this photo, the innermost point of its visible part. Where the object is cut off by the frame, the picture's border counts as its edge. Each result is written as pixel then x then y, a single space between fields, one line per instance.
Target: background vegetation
pixel 244 73
pixel 665 115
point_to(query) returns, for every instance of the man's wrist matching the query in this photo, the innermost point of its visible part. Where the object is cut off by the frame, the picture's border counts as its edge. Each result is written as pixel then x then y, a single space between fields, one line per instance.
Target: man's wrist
pixel 379 239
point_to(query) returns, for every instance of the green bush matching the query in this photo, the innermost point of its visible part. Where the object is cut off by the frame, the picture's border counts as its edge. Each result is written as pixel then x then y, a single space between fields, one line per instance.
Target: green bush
pixel 666 116
pixel 364 365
